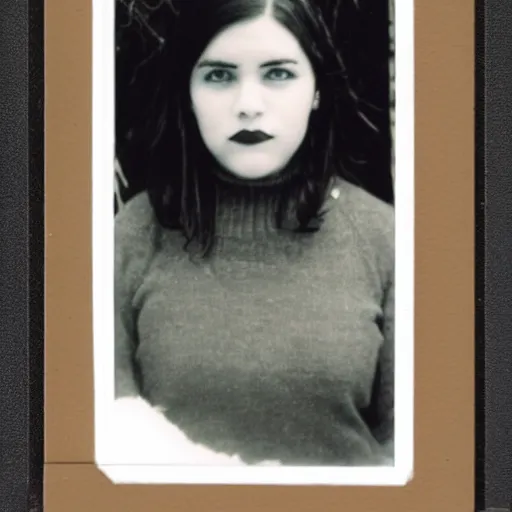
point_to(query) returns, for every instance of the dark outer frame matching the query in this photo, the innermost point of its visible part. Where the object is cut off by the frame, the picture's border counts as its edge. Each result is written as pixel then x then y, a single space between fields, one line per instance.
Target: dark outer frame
pixel 493 323
pixel 22 255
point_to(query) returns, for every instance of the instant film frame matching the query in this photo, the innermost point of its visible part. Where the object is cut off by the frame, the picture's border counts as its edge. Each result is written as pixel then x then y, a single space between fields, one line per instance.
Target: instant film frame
pixel 443 422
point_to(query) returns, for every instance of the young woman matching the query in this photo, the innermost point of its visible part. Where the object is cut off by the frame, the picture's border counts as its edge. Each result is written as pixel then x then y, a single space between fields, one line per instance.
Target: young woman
pixel 254 281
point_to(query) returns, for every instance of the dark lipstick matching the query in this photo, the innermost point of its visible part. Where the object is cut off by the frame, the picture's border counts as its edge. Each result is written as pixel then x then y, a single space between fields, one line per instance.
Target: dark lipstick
pixel 250 137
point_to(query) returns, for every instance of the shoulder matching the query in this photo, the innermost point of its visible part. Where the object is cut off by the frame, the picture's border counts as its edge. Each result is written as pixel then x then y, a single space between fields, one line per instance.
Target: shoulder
pixel 371 221
pixel 367 211
pixel 369 214
pixel 135 218
pixel 136 229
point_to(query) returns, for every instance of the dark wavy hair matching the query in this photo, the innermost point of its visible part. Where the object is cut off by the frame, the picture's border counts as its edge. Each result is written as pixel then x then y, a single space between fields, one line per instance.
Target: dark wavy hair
pixel 179 180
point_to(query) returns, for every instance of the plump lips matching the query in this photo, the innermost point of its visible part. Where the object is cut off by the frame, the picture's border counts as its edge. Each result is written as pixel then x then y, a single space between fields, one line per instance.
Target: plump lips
pixel 250 138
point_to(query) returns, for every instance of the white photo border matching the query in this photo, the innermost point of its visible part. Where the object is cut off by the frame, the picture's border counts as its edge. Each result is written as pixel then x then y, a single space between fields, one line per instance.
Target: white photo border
pixel 103 137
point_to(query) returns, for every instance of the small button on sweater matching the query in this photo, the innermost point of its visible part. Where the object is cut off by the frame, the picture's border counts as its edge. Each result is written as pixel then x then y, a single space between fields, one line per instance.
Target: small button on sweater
pixel 280 344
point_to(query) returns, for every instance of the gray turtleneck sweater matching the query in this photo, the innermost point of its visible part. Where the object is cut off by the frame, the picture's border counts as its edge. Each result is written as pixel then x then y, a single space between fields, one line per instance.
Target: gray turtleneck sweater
pixel 280 345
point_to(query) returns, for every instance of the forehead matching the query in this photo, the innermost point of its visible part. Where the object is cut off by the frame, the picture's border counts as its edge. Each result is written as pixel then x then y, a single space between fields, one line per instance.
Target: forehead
pixel 259 39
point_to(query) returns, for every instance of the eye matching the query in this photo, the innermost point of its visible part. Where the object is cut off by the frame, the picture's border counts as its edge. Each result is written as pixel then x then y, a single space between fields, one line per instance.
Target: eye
pixel 219 76
pixel 279 74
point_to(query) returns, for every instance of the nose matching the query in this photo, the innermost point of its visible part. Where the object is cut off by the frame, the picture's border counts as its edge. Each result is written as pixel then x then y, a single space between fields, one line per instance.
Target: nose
pixel 249 102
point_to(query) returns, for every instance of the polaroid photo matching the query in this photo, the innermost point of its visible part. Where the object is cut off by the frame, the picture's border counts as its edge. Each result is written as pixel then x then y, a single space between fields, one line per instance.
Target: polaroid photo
pixel 253 229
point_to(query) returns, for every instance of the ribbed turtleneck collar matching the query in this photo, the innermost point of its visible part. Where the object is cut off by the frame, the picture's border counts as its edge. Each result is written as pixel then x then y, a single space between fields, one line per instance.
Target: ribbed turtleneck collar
pixel 247 208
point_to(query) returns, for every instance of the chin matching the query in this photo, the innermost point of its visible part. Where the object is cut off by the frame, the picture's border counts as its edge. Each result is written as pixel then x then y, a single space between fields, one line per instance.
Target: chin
pixel 254 174
pixel 250 171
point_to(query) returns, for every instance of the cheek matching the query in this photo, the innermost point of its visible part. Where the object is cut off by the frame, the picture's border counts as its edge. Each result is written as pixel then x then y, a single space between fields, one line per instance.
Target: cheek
pixel 295 104
pixel 295 117
pixel 204 110
pixel 208 109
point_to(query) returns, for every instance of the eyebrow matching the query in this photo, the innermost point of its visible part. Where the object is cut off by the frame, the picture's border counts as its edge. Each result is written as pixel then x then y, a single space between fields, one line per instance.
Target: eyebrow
pixel 216 64
pixel 278 62
pixel 228 65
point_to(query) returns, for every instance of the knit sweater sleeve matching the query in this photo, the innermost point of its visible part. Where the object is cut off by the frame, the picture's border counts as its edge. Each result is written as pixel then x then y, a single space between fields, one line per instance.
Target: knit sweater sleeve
pixel 384 399
pixel 133 229
pixel 374 222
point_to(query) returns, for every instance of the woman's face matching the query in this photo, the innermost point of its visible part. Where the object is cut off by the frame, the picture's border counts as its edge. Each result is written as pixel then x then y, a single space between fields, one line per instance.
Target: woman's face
pixel 252 91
